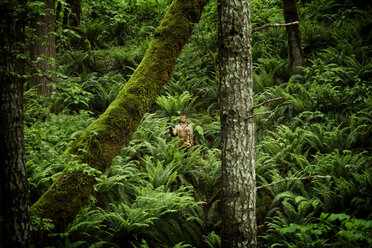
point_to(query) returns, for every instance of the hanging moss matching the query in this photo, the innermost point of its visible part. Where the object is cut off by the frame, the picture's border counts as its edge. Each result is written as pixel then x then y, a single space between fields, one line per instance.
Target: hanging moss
pixel 104 138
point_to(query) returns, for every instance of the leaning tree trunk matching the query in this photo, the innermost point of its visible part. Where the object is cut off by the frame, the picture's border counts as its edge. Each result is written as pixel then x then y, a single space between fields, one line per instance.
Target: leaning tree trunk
pixel 43 48
pixel 14 187
pixel 105 137
pixel 295 53
pixel 237 125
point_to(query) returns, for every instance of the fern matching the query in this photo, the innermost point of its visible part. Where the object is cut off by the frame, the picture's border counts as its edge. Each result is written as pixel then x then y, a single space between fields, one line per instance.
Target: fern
pixel 52 137
pixel 213 240
pixel 120 182
pixel 141 219
pixel 296 214
pixel 158 175
pixel 104 88
pixel 172 106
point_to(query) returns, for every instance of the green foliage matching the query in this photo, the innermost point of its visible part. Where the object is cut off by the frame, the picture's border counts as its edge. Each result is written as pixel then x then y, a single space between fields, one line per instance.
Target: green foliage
pixel 174 106
pixel 74 63
pixel 45 143
pixel 104 89
pixel 40 224
pixel 293 223
pixel 335 230
pixel 213 240
pixel 70 98
pixel 35 107
pixel 350 231
pixel 156 194
pixel 154 214
pixel 149 195
pixel 322 130
pixel 121 60
pixel 118 21
pixel 269 72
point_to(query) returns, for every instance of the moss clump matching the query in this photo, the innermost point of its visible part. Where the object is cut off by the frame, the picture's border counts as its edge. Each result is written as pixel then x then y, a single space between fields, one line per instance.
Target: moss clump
pixel 66 193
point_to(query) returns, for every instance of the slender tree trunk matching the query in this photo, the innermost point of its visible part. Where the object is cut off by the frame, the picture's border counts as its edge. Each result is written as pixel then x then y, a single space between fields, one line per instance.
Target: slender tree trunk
pixel 43 48
pixel 72 14
pixel 237 126
pixel 14 187
pixel 295 53
pixel 75 16
pixel 105 137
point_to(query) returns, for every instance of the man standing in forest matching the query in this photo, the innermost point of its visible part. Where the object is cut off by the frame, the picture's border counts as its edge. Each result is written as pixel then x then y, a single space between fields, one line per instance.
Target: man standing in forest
pixel 184 132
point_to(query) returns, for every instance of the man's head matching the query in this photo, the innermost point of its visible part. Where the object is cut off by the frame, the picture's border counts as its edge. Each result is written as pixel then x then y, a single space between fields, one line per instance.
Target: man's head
pixel 183 118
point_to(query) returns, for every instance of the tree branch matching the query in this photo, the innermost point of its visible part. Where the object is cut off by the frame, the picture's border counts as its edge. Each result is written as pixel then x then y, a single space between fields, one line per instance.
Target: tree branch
pixel 261 113
pixel 273 25
pixel 268 101
pixel 292 179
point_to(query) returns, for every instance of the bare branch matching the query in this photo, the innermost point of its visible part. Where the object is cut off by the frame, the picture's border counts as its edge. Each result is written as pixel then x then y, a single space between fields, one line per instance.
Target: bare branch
pixel 261 113
pixel 293 179
pixel 268 101
pixel 273 25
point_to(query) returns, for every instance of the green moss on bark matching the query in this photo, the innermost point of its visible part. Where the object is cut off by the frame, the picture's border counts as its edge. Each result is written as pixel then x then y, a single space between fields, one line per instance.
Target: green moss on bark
pixel 104 138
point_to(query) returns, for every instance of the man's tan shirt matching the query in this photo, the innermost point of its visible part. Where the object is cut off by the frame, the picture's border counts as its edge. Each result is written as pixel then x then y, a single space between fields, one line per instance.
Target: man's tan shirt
pixel 185 133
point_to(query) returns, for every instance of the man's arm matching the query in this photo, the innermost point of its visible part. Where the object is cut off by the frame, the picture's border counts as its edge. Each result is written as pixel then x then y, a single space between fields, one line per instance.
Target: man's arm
pixel 172 131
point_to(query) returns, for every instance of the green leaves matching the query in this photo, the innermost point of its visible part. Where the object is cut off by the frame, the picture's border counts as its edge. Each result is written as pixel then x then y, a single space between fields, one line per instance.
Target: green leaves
pixel 39 224
pixel 154 192
pixel 350 231
pixel 45 143
pixel 144 217
pixel 174 106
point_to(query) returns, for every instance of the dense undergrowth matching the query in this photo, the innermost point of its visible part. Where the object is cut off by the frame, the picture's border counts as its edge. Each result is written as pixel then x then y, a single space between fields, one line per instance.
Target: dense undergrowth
pixel 156 194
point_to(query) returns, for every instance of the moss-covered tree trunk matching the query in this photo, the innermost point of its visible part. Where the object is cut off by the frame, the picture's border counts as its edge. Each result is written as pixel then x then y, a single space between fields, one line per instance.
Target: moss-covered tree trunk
pixel 104 138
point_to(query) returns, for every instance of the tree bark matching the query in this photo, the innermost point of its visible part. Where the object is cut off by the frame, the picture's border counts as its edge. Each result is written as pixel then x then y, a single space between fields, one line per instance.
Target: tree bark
pixel 105 137
pixel 14 187
pixel 295 53
pixel 237 125
pixel 43 48
pixel 72 18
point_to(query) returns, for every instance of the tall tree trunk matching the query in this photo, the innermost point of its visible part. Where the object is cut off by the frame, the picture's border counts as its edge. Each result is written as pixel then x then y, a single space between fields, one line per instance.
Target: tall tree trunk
pixel 237 125
pixel 14 187
pixel 105 137
pixel 72 14
pixel 43 48
pixel 295 53
pixel 75 16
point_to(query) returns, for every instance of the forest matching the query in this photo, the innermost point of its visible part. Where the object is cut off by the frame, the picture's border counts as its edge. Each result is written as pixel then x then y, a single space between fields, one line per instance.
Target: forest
pixel 101 87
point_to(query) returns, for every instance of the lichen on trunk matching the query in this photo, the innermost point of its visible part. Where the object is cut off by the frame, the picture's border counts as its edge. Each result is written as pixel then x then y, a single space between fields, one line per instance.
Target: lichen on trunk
pixel 238 185
pixel 104 138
